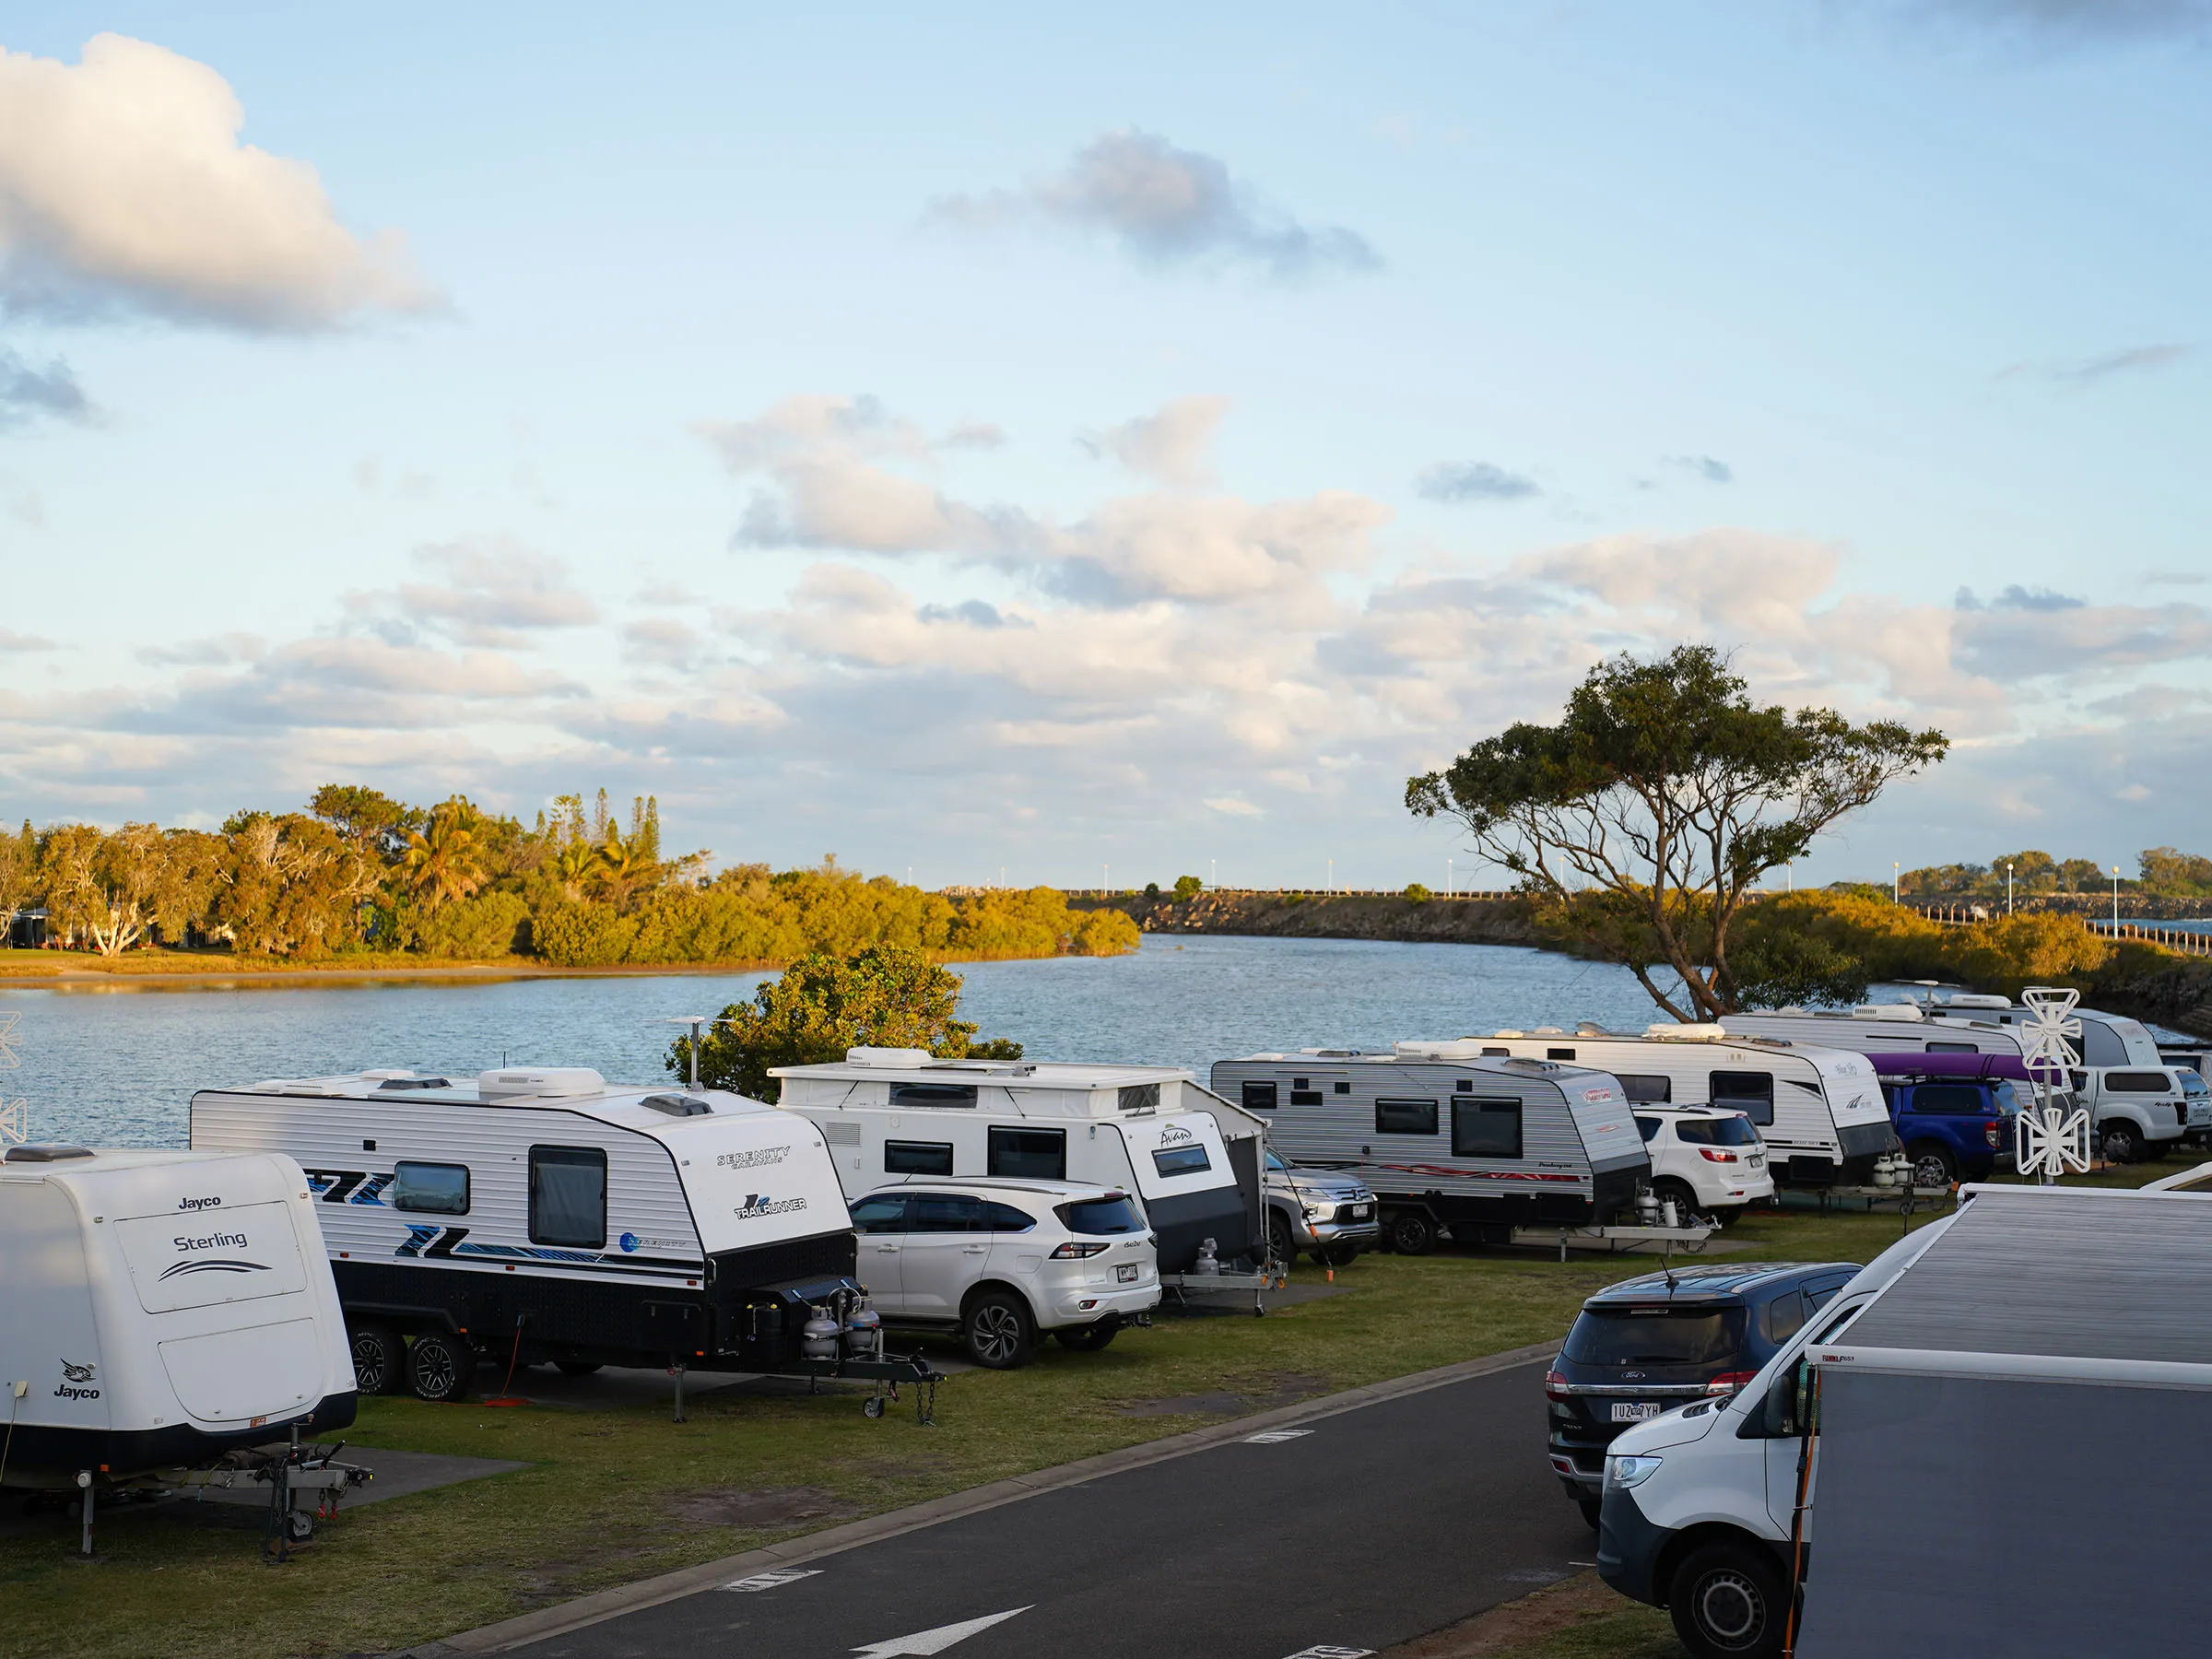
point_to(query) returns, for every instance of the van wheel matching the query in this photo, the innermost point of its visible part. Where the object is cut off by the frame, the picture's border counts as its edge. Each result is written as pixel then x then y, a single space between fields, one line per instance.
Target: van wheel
pixel 1729 1601
pixel 1933 1166
pixel 380 1359
pixel 1412 1232
pixel 2121 1142
pixel 996 1330
pixel 1089 1339
pixel 1281 1236
pixel 440 1368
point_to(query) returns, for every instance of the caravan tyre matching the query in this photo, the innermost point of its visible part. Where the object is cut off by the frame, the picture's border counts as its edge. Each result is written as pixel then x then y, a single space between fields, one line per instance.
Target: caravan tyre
pixel 1412 1232
pixel 440 1368
pixel 380 1359
pixel 996 1331
pixel 2123 1143
pixel 1729 1601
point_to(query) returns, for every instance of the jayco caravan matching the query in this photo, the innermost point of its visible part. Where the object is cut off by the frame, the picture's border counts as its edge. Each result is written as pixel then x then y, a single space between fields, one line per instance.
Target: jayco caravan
pixel 1480 1146
pixel 544 1215
pixel 1192 1159
pixel 1818 1110
pixel 159 1310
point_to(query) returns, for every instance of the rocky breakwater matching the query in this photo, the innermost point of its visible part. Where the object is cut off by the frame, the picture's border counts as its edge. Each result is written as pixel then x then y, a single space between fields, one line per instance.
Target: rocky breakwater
pixel 1391 917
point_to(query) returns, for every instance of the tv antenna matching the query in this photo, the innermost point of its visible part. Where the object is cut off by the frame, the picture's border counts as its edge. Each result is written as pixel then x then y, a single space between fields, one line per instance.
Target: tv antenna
pixel 2048 1140
pixel 14 1115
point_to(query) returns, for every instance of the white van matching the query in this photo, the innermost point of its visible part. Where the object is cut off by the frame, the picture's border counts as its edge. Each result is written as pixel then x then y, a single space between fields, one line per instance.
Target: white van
pixel 164 1308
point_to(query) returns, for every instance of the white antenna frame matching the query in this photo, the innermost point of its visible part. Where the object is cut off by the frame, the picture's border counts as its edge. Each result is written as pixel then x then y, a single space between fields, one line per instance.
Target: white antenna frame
pixel 14 1115
pixel 2047 1141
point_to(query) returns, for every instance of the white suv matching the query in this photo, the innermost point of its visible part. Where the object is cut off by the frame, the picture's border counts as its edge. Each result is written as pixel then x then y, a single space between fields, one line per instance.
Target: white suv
pixel 1001 1261
pixel 1705 1158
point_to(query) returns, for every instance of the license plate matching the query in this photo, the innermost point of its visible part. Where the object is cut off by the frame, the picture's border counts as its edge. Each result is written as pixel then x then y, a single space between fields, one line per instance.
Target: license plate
pixel 1756 1161
pixel 1634 1411
pixel 1358 1212
pixel 1127 1273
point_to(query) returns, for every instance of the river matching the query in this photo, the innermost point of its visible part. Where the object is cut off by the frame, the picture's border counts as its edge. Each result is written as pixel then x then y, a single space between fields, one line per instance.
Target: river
pixel 117 1065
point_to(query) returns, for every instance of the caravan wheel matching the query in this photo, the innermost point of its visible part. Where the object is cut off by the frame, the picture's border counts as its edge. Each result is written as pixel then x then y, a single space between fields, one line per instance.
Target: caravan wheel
pixel 380 1359
pixel 1412 1232
pixel 440 1368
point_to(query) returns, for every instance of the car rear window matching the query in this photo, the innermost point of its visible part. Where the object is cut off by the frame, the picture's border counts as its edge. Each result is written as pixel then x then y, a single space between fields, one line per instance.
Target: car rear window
pixel 1096 1216
pixel 1649 1127
pixel 1656 1336
pixel 2137 1083
pixel 1717 1131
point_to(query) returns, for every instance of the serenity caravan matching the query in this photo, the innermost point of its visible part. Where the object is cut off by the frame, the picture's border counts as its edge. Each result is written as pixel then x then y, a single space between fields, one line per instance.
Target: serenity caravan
pixel 1479 1146
pixel 160 1309
pixel 544 1214
pixel 1818 1110
pixel 1192 1161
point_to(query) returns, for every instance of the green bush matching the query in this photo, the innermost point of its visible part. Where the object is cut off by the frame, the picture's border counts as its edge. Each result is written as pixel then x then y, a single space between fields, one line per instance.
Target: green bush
pixel 1188 887
pixel 581 934
pixel 490 924
pixel 1417 892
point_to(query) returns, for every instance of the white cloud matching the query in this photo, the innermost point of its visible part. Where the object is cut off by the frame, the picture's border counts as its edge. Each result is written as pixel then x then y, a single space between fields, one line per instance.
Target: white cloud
pixel 124 188
pixel 1173 446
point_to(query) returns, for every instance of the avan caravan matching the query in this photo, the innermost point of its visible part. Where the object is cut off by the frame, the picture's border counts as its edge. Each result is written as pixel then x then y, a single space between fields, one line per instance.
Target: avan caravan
pixel 1820 1111
pixel 159 1311
pixel 543 1215
pixel 1192 1159
pixel 1479 1146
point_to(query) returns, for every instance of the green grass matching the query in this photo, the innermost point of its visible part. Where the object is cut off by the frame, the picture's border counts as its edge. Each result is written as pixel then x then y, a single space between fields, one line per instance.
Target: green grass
pixel 613 1495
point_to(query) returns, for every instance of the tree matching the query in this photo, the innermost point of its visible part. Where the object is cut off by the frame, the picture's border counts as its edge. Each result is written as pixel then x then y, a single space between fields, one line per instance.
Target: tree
pixel 2170 871
pixel 18 874
pixel 367 817
pixel 442 859
pixel 1643 819
pixel 885 997
pixel 1187 887
pixel 2080 875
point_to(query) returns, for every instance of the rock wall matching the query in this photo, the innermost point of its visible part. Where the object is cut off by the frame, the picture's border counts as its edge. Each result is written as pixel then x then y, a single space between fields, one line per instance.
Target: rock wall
pixel 1330 916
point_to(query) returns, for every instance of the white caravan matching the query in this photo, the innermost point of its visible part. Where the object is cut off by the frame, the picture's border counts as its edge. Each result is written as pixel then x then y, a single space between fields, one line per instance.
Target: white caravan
pixel 1192 1159
pixel 160 1309
pixel 1478 1146
pixel 542 1213
pixel 1818 1110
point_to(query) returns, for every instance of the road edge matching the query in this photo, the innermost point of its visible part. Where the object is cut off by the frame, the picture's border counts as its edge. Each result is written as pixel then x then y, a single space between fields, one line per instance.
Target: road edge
pixel 560 1619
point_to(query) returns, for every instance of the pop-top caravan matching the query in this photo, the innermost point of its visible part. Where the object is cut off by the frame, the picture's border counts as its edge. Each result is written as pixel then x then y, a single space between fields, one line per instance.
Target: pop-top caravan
pixel 164 1309
pixel 1480 1146
pixel 1820 1109
pixel 1192 1159
pixel 544 1215
pixel 1882 1028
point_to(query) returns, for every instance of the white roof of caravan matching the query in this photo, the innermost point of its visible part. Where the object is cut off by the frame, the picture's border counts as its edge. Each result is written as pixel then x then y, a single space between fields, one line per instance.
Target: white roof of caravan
pixel 917 1065
pixel 571 1089
pixel 36 1163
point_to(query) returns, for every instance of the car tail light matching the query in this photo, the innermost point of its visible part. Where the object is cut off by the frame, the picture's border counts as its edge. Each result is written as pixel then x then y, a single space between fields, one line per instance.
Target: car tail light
pixel 1727 1382
pixel 1075 1250
pixel 1714 1155
pixel 1555 1385
pixel 1994 1133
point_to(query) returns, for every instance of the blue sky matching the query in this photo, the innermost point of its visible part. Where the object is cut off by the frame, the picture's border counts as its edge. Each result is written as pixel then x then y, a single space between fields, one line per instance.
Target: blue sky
pixel 998 441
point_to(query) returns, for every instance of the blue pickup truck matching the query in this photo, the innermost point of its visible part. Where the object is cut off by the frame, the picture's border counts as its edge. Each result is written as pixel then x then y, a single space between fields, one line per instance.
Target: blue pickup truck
pixel 1953 1127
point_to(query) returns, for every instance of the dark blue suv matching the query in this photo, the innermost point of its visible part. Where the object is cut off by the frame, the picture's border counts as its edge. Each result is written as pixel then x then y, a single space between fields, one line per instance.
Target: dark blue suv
pixel 1953 1128
pixel 1649 1344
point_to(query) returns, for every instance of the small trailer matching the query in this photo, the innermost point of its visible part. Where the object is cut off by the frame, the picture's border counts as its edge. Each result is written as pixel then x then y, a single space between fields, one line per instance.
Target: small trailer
pixel 1818 1110
pixel 532 1214
pixel 2007 1449
pixel 1193 1160
pixel 162 1313
pixel 1481 1146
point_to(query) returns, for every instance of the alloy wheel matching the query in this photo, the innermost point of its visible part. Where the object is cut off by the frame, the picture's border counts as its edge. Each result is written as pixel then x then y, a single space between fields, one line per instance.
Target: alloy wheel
pixel 996 1332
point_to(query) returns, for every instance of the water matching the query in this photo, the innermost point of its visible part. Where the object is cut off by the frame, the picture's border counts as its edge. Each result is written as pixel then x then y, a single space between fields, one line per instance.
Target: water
pixel 117 1065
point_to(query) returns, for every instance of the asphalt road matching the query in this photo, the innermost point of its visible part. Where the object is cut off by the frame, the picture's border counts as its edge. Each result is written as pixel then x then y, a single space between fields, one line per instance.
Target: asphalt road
pixel 1374 1526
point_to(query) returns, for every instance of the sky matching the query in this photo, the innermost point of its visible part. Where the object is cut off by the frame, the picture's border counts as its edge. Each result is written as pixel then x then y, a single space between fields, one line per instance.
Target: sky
pixel 1001 445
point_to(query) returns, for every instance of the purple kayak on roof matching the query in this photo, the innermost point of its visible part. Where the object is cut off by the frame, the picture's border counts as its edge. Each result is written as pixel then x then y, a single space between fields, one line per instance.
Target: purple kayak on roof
pixel 1902 1064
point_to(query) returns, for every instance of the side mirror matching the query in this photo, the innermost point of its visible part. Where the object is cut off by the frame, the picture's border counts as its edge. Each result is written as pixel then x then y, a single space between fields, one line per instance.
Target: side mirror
pixel 1778 1416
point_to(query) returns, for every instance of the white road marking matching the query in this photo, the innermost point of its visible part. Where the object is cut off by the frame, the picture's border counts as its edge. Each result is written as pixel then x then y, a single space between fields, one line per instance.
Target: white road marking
pixel 1332 1652
pixel 1274 1437
pixel 769 1580
pixel 939 1640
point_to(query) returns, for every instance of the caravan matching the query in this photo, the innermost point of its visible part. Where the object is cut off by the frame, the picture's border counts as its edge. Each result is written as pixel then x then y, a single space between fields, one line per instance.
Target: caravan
pixel 1479 1146
pixel 159 1311
pixel 1192 1159
pixel 1818 1110
pixel 540 1214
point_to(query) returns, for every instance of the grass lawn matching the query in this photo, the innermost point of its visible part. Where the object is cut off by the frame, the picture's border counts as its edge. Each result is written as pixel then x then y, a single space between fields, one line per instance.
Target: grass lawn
pixel 611 1496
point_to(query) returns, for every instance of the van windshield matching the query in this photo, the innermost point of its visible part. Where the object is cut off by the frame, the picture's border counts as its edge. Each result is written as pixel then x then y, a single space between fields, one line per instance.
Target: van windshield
pixel 1656 1336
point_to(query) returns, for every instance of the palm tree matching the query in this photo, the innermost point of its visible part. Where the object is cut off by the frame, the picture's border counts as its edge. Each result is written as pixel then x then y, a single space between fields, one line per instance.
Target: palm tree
pixel 443 859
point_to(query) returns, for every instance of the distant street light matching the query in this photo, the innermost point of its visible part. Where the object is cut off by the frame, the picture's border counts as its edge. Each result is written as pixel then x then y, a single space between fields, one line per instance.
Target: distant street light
pixel 2115 901
pixel 2008 889
pixel 1896 897
pixel 1332 883
pixel 1447 878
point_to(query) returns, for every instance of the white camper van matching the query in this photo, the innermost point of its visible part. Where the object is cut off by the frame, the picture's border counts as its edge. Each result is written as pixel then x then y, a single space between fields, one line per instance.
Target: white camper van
pixel 162 1308
pixel 541 1213
pixel 1818 1110
pixel 1192 1159
pixel 1479 1146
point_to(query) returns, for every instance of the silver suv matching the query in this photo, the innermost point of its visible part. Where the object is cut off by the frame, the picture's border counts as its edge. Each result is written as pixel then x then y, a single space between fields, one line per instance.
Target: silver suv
pixel 1330 1215
pixel 1002 1260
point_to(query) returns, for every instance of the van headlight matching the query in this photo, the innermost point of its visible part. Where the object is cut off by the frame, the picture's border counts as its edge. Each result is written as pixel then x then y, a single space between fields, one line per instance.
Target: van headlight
pixel 1320 1210
pixel 1625 1470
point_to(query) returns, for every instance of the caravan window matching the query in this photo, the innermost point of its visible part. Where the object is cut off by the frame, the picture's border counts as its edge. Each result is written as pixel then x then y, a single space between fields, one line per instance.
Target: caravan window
pixel 1259 1097
pixel 932 1094
pixel 1486 1128
pixel 1952 1048
pixel 1751 1093
pixel 1404 1117
pixel 885 1212
pixel 1137 1096
pixel 1643 1089
pixel 917 1158
pixel 1029 1154
pixel 568 1196
pixel 1181 1161
pixel 1555 1053
pixel 433 1189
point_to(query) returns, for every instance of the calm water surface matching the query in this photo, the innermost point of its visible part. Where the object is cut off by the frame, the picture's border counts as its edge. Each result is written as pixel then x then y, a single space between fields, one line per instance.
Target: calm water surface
pixel 116 1066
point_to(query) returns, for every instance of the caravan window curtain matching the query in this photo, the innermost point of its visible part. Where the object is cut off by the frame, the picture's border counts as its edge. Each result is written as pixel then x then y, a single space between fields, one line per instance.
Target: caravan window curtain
pixel 568 1196
pixel 1751 1093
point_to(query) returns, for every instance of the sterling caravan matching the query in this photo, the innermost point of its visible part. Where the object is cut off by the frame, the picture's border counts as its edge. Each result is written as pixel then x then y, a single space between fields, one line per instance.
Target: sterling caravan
pixel 160 1309
pixel 543 1214
pixel 1818 1110
pixel 1192 1159
pixel 1480 1146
